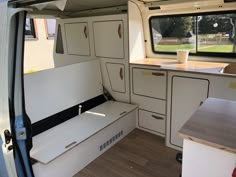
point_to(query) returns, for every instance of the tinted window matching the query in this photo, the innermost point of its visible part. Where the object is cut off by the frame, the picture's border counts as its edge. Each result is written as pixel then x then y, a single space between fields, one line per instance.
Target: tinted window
pixel 202 34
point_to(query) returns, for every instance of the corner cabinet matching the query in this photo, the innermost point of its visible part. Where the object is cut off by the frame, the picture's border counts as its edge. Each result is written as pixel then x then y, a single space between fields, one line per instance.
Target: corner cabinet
pixel 186 94
pixel 116 75
pixel 109 39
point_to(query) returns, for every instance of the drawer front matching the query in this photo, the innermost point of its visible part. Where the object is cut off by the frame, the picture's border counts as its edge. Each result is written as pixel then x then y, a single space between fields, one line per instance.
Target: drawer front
pixel 151 83
pixel 150 104
pixel 152 121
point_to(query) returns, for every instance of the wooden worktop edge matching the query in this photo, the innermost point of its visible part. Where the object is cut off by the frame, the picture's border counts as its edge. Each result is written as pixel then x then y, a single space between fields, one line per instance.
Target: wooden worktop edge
pixel 211 144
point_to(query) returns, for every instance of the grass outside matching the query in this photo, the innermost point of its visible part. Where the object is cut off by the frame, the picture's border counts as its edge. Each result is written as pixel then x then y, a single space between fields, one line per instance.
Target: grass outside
pixel 226 48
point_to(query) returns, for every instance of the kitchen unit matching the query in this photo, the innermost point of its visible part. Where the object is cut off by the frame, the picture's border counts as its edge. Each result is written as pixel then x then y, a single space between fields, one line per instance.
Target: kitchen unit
pixel 187 87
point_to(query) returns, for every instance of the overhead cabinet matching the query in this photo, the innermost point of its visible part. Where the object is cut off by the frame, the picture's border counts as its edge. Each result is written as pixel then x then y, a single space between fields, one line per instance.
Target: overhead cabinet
pixel 77 38
pixel 109 39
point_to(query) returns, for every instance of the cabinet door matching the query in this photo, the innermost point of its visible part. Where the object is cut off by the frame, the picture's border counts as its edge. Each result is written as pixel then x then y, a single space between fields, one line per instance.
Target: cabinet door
pixel 116 74
pixel 187 95
pixel 109 39
pixel 77 39
pixel 152 122
pixel 150 83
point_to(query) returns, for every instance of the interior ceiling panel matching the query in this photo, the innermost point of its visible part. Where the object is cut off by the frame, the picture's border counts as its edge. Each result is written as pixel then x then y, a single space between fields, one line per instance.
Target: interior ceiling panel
pixel 79 5
pixel 71 5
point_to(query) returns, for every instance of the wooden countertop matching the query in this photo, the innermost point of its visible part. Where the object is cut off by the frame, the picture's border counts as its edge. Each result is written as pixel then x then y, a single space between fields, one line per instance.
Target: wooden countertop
pixel 213 124
pixel 190 66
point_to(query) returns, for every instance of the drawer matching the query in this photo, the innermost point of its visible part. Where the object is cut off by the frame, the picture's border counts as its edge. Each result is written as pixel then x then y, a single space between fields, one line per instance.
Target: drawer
pixel 150 104
pixel 148 82
pixel 152 121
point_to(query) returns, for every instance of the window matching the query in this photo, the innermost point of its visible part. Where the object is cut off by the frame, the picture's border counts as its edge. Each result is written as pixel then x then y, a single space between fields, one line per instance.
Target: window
pixel 51 28
pixel 212 34
pixel 30 28
pixel 38 54
pixel 59 43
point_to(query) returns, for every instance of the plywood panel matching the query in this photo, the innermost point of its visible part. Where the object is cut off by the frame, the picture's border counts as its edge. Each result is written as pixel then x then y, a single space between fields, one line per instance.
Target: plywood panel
pixel 187 96
pixel 51 91
pixel 109 39
pixel 77 38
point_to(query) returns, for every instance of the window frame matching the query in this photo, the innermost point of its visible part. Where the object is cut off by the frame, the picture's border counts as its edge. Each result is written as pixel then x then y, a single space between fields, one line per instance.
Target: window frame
pixel 46 29
pixel 200 54
pixel 33 27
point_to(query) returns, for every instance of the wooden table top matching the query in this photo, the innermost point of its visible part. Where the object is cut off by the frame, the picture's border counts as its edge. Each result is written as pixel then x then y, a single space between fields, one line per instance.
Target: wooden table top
pixel 191 66
pixel 213 124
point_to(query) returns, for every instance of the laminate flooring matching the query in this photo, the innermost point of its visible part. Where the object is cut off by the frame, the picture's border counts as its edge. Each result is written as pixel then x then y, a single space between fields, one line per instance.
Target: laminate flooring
pixel 139 154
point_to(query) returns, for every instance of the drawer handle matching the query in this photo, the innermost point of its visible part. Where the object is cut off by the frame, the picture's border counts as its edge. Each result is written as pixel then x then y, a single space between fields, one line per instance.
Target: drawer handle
pixel 158 74
pixel 157 117
pixel 71 144
pixel 123 113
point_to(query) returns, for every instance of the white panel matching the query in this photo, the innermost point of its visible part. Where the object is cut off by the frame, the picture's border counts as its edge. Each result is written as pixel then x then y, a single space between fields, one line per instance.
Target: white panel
pixel 107 40
pixel 76 130
pixel 203 161
pixel 51 91
pixel 71 162
pixel 152 121
pixel 116 74
pixel 77 38
pixel 150 83
pixel 223 87
pixel 187 95
pixel 136 36
pixel 150 104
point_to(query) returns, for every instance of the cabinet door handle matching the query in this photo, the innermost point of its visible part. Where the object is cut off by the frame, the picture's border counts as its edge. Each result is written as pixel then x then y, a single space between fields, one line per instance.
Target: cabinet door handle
pixel 158 74
pixel 71 144
pixel 157 117
pixel 201 103
pixel 85 32
pixel 119 31
pixel 121 74
pixel 123 113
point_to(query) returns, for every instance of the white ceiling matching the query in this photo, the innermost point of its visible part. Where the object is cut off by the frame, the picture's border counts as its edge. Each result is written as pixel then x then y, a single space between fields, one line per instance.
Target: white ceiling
pixel 80 5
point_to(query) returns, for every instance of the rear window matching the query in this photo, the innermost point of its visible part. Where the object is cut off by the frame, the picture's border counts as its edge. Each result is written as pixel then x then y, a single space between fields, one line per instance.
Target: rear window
pixel 211 34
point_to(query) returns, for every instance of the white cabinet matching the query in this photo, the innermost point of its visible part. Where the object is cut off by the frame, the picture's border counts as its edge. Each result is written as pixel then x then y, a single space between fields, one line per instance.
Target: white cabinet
pixel 187 94
pixel 148 90
pixel 109 39
pixel 151 83
pixel 152 121
pixel 116 75
pixel 77 38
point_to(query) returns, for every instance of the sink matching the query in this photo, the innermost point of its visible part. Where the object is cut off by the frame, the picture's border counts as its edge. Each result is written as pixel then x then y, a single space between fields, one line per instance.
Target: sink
pixel 229 69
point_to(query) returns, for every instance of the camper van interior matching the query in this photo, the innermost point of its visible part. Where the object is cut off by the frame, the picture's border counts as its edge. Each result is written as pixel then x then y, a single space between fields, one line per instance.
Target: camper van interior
pixel 118 88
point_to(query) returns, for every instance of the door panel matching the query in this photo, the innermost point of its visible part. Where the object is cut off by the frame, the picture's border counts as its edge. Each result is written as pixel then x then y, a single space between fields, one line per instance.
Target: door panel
pixel 109 39
pixel 77 39
pixel 116 74
pixel 187 95
pixel 150 83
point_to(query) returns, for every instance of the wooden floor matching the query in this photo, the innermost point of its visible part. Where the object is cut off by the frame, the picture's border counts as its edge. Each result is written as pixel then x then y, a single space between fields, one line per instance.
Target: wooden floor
pixel 140 154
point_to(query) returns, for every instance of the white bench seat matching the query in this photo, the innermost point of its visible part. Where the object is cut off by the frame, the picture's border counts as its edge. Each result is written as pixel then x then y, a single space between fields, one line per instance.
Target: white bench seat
pixel 54 142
